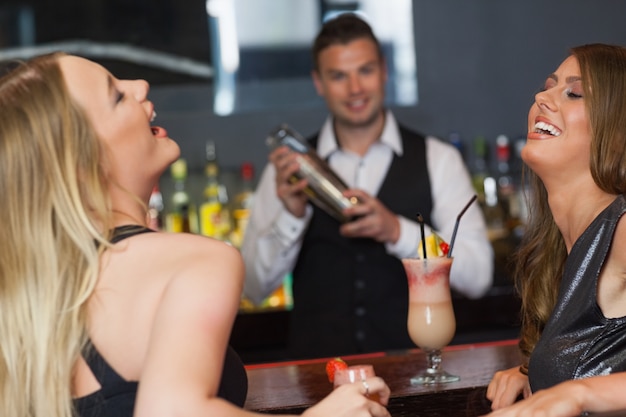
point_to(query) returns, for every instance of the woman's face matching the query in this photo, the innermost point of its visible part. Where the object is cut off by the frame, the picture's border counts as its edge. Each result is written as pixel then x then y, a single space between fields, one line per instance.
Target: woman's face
pixel 559 132
pixel 121 114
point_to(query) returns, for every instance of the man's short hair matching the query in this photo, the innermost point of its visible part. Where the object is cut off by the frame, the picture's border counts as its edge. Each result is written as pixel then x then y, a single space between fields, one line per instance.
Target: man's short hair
pixel 342 30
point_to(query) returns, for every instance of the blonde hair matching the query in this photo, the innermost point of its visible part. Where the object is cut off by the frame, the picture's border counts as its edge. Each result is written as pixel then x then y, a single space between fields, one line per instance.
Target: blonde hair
pixel 542 255
pixel 54 205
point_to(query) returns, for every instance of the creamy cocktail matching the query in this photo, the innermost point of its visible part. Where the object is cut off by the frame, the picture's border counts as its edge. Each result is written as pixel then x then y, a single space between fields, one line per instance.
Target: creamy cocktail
pixel 431 323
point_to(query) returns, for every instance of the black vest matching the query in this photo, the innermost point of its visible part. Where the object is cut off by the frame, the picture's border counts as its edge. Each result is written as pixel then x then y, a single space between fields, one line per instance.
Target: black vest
pixel 350 295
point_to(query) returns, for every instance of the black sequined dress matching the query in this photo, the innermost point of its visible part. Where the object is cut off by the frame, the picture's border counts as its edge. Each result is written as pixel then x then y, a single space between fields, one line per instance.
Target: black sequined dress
pixel 578 340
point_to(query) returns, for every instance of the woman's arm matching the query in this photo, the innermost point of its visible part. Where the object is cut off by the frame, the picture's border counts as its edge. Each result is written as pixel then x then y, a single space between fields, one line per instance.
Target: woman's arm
pixel 571 398
pixel 182 370
pixel 183 366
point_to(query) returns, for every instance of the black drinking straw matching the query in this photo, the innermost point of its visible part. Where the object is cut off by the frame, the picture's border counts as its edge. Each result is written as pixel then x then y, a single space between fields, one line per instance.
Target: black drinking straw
pixel 420 219
pixel 456 225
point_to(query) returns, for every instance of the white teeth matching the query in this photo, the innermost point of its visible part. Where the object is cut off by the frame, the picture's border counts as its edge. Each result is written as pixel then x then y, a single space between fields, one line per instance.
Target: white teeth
pixel 542 127
pixel 153 116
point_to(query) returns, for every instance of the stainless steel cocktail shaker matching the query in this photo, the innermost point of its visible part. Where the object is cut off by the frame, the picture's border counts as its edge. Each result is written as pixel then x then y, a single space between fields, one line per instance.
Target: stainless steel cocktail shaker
pixel 325 188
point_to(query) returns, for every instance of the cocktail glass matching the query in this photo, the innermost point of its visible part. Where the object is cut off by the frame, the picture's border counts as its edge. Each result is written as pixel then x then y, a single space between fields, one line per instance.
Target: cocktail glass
pixel 431 323
pixel 356 373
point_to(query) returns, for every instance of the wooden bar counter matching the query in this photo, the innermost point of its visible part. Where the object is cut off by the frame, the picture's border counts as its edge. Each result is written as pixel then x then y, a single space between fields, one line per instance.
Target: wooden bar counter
pixel 292 387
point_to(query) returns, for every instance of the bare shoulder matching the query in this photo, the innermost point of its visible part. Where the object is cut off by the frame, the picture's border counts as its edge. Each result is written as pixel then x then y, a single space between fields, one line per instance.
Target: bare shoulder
pixel 612 283
pixel 189 245
pixel 163 256
pixel 158 281
pixel 618 247
pixel 195 254
pixel 171 246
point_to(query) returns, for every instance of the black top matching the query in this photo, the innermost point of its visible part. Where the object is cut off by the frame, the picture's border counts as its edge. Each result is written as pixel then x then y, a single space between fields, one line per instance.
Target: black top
pixel 116 398
pixel 578 340
pixel 350 295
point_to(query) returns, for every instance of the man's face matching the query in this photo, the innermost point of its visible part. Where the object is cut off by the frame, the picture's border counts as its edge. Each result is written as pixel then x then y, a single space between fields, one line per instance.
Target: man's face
pixel 351 78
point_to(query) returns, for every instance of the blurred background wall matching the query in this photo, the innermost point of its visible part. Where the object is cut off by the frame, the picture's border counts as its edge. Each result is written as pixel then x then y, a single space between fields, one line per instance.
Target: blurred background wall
pixel 478 62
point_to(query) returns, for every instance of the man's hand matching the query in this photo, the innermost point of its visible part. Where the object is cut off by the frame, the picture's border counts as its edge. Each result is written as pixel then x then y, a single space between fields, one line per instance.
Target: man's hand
pixel 291 194
pixel 373 219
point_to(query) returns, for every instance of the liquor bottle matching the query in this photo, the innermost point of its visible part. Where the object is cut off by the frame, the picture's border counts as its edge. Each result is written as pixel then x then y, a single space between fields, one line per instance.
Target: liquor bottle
pixel 499 191
pixel 493 210
pixel 281 298
pixel 214 215
pixel 506 186
pixel 454 138
pixel 518 205
pixel 155 209
pixel 479 167
pixel 503 160
pixel 179 218
pixel 242 204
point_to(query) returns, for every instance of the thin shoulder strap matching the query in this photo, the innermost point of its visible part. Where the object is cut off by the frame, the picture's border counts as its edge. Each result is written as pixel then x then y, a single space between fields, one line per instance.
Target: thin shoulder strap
pixel 123 232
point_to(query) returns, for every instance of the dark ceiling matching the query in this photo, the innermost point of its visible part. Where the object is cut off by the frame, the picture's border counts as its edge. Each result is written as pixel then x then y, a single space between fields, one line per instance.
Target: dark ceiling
pixel 175 27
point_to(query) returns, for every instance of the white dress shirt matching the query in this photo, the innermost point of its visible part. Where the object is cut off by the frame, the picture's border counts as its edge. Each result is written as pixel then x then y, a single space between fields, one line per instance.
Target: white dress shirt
pixel 273 237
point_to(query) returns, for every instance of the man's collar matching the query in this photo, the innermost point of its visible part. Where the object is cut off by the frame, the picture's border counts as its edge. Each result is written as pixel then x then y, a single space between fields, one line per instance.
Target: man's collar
pixel 327 142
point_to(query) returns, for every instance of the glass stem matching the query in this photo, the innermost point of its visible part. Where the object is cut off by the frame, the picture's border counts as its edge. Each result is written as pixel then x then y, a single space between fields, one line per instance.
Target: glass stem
pixel 434 361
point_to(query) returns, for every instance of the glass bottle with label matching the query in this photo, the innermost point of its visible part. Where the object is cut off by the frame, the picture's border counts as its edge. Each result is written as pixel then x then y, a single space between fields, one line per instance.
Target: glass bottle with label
pixel 180 218
pixel 155 209
pixel 214 215
pixel 242 204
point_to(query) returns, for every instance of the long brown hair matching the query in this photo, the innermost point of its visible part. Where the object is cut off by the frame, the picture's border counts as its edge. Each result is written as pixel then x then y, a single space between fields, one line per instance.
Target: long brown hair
pixel 542 255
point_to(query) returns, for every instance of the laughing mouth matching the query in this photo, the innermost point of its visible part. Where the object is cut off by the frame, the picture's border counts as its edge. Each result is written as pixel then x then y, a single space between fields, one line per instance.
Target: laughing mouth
pixel 356 103
pixel 546 129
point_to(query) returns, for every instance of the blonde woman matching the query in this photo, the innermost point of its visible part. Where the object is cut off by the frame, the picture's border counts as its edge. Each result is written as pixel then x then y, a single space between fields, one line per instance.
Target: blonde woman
pixel 99 315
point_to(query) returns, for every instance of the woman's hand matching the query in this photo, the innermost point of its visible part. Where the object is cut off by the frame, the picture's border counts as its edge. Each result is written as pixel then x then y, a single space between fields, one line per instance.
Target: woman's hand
pixel 563 400
pixel 349 400
pixel 506 386
pixel 571 398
